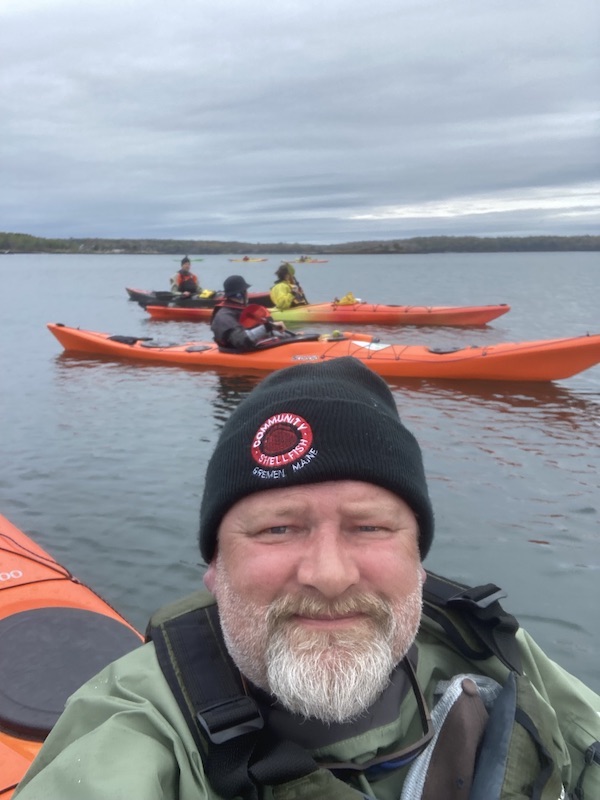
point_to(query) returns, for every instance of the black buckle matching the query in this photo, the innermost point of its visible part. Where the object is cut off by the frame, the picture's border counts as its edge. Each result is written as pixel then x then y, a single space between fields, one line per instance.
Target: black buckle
pixel 480 596
pixel 225 721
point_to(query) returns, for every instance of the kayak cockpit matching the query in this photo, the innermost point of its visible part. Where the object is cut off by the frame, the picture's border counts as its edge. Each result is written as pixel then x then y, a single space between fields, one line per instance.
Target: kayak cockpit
pixel 48 653
pixel 275 341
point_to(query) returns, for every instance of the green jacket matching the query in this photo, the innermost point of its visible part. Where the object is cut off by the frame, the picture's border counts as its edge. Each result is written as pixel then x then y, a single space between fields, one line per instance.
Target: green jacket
pixel 123 735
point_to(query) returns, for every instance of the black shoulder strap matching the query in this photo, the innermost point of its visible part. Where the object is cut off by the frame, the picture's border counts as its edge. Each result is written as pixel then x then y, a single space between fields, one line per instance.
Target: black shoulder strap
pixel 225 721
pixel 455 607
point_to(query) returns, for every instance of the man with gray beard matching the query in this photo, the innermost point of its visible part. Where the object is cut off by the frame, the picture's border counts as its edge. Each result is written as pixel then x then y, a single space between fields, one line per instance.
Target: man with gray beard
pixel 331 674
pixel 325 663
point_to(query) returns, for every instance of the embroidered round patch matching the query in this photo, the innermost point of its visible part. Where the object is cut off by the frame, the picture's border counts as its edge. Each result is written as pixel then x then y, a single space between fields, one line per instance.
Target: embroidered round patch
pixel 281 439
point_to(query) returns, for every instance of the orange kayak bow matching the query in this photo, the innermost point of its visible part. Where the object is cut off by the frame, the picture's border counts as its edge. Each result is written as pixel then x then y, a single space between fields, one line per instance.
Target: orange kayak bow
pixel 56 634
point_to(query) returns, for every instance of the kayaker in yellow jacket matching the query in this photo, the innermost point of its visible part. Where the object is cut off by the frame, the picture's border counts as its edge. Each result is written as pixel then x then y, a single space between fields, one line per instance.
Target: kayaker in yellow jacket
pixel 287 292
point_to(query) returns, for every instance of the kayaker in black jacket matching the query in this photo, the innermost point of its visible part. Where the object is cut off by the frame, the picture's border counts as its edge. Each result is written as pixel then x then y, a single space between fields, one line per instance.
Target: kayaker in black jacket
pixel 229 325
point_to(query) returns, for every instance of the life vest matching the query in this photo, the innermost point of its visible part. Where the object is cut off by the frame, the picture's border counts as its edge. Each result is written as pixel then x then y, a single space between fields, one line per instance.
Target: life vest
pixel 187 281
pixel 240 756
pixel 226 303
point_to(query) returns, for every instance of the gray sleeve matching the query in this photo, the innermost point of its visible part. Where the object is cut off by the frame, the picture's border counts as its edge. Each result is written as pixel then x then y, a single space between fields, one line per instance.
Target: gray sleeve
pixel 257 334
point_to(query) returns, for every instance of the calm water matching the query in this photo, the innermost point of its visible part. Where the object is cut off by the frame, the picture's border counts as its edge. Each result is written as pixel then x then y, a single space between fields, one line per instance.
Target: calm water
pixel 103 463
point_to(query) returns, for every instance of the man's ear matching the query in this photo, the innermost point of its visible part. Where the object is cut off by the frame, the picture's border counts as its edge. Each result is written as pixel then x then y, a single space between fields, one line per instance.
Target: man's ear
pixel 210 575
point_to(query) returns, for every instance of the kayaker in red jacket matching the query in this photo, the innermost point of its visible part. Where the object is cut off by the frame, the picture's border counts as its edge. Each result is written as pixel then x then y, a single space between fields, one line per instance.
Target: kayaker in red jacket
pixel 184 281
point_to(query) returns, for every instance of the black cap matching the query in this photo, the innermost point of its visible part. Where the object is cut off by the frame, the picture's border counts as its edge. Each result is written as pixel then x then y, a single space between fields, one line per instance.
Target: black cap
pixel 185 260
pixel 309 423
pixel 235 284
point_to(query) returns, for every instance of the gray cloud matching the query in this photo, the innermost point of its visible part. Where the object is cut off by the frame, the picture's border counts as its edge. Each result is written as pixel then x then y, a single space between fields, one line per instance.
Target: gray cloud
pixel 298 121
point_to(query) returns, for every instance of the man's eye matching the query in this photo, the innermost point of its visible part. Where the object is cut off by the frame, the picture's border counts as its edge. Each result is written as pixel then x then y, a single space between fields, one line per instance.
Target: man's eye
pixel 277 529
pixel 383 528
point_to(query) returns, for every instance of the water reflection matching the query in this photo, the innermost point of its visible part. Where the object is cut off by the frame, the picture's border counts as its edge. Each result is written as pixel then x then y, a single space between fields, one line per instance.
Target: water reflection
pixel 553 409
pixel 231 388
pixel 91 361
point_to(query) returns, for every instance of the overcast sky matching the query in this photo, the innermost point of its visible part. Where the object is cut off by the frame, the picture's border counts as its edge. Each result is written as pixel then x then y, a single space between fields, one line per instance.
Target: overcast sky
pixel 316 121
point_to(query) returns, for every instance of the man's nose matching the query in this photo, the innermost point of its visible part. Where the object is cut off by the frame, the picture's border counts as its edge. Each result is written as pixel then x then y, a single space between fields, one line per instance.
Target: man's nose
pixel 328 562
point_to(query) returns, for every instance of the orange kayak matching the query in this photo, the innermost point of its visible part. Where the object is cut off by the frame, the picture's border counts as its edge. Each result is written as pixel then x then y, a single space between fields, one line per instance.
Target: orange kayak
pixel 356 314
pixel 542 360
pixel 55 634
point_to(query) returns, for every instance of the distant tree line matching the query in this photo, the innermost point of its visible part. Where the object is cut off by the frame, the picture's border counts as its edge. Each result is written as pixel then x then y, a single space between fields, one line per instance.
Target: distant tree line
pixel 473 244
pixel 24 243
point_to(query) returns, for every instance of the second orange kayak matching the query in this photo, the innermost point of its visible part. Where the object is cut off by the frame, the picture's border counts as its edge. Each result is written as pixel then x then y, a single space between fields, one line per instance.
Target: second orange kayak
pixel 356 314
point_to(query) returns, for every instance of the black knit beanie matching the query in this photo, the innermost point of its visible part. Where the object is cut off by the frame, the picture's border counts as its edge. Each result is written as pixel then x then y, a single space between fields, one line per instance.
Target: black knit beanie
pixel 309 423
